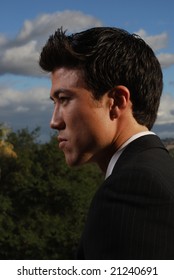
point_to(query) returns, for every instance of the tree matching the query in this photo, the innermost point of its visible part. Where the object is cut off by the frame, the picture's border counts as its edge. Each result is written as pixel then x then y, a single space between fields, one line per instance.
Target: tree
pixel 6 148
pixel 43 203
pixel 171 152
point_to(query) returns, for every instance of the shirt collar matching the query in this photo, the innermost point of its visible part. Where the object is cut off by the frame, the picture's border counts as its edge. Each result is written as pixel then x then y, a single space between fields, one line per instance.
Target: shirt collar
pixel 117 154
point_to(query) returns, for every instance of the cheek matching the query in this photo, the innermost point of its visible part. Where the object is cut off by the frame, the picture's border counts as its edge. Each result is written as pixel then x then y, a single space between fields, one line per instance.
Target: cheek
pixel 83 137
pixel 88 126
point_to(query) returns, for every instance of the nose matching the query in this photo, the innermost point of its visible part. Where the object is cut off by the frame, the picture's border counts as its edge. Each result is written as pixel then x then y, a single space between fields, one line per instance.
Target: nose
pixel 57 121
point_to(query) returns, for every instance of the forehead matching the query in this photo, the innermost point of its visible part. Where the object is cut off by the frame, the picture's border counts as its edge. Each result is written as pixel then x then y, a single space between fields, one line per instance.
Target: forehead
pixel 66 78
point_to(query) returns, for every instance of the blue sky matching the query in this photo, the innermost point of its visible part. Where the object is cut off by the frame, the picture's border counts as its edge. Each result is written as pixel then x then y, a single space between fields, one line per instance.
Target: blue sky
pixel 26 25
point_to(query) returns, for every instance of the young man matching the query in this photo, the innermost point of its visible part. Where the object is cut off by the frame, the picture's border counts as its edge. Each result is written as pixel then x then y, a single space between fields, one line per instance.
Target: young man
pixel 106 88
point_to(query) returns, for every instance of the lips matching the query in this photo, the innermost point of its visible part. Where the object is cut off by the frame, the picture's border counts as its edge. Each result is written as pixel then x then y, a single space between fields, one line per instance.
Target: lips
pixel 62 142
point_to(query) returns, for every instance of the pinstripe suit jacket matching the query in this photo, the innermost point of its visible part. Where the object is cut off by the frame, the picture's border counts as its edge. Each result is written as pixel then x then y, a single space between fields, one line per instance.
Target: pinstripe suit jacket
pixel 132 214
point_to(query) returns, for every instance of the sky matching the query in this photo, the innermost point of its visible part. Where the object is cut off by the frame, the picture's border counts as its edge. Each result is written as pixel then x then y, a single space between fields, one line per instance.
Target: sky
pixel 25 27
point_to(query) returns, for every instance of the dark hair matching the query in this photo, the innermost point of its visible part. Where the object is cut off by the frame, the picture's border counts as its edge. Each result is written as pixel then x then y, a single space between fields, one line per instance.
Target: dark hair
pixel 109 57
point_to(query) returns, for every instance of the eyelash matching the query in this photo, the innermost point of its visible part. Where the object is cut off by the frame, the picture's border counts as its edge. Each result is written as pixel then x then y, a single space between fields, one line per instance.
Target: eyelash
pixel 63 99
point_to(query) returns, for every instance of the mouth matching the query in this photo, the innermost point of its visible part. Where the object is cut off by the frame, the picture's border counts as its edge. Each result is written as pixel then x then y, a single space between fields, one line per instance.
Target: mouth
pixel 62 142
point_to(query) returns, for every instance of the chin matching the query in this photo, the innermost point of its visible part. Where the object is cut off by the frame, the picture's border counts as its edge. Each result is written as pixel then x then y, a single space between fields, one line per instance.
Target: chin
pixel 75 162
pixel 71 162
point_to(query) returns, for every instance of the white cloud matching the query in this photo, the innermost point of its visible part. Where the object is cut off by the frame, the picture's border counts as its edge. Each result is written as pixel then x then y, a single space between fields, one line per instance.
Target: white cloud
pixel 20 55
pixel 21 59
pixel 156 42
pixel 27 100
pixel 166 59
pixel 26 108
pixel 166 109
pixel 22 109
pixel 3 40
pixel 26 30
pixel 46 24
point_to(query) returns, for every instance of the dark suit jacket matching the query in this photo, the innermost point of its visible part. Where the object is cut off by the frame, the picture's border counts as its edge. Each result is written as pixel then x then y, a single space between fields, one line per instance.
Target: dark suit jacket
pixel 132 213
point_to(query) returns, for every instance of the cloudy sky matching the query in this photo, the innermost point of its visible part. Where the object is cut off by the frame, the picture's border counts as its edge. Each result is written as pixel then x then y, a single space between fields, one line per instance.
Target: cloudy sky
pixel 25 25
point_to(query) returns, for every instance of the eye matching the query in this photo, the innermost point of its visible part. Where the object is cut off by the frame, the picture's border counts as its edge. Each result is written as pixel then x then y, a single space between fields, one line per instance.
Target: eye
pixel 52 99
pixel 63 99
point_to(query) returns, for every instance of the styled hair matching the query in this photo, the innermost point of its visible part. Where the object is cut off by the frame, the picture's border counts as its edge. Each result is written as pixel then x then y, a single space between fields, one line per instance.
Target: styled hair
pixel 109 57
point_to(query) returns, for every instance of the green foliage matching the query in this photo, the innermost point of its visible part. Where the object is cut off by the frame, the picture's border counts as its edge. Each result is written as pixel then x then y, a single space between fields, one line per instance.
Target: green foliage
pixel 43 203
pixel 171 152
pixel 4 131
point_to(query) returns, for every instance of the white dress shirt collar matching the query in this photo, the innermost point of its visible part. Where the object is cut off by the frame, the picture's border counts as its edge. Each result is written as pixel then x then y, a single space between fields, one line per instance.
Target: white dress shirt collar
pixel 121 149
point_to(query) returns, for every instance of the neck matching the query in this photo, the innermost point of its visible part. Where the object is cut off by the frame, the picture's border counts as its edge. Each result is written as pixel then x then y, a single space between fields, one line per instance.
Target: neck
pixel 127 133
pixel 105 156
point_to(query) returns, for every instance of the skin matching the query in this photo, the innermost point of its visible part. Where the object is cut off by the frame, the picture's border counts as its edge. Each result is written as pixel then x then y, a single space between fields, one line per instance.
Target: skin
pixel 89 130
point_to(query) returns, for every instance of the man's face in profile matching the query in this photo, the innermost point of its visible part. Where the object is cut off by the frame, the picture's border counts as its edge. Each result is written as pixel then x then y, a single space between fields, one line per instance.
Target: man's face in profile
pixel 82 121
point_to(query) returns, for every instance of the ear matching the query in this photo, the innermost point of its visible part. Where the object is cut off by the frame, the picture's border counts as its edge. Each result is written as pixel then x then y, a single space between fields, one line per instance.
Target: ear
pixel 121 99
